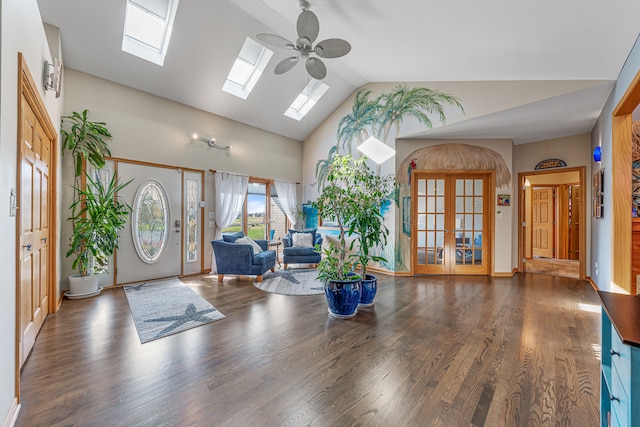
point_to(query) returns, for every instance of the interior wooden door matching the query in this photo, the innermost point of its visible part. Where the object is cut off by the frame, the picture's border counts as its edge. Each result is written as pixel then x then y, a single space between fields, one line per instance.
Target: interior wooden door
pixel 34 241
pixel 449 222
pixel 542 222
pixel 574 221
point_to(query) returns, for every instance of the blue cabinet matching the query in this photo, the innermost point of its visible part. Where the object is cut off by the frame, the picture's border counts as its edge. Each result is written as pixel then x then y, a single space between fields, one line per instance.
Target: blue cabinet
pixel 620 373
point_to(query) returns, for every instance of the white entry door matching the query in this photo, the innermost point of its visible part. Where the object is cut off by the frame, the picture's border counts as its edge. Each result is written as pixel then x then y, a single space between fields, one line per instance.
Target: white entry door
pixel 151 244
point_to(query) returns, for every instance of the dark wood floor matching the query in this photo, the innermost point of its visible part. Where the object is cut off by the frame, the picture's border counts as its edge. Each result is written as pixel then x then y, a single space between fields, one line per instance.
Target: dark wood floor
pixel 433 351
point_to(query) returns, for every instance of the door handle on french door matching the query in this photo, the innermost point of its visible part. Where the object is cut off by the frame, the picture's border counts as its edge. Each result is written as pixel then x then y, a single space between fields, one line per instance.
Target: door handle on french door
pixel 27 246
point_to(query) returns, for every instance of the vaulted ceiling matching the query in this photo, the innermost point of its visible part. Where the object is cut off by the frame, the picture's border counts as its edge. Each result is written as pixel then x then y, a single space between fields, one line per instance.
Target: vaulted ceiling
pixel 561 58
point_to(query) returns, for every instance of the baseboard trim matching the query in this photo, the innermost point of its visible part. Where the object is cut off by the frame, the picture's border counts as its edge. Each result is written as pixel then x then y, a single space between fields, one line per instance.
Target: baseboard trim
pixel 504 273
pixel 12 416
pixel 390 273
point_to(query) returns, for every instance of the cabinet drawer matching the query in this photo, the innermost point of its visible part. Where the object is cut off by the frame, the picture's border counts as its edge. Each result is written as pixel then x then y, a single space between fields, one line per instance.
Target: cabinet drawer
pixel 619 401
pixel 620 356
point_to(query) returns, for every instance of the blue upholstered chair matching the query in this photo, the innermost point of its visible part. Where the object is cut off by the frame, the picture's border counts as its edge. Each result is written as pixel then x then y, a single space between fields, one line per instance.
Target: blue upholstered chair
pixel 300 254
pixel 240 259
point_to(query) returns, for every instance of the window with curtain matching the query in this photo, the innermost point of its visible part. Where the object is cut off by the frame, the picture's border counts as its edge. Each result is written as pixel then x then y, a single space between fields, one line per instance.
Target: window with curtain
pixel 262 213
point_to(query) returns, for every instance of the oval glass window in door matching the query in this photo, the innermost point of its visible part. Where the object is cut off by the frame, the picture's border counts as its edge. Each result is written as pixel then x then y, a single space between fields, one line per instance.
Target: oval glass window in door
pixel 150 224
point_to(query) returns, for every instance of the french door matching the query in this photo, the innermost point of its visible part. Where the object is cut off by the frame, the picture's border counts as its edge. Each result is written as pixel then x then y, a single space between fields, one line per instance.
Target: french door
pixel 450 223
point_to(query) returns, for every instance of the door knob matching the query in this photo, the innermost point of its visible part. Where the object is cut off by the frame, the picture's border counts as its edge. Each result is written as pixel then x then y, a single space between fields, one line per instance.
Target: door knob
pixel 44 239
pixel 27 246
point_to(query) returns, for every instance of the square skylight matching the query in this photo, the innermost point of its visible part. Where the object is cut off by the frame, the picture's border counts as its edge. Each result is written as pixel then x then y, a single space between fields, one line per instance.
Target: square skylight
pixel 305 101
pixel 147 28
pixel 247 69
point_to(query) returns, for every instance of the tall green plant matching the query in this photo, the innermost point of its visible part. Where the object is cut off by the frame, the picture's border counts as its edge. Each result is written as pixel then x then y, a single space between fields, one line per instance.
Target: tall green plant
pixel 97 215
pixel 340 201
pixel 368 221
pixel 85 140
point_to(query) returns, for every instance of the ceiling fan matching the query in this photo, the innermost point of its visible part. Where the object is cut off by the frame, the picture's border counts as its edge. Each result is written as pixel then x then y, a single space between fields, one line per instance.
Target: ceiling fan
pixel 308 29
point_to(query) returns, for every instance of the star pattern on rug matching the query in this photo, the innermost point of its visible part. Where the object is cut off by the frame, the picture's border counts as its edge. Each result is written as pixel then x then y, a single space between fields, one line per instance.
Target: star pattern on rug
pixel 285 274
pixel 190 315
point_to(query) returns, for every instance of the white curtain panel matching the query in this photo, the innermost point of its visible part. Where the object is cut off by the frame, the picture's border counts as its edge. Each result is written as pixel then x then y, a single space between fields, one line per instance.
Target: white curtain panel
pixel 230 191
pixel 287 195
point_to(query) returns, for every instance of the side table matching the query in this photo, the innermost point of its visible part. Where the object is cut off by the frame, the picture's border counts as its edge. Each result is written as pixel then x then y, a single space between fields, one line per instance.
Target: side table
pixel 277 244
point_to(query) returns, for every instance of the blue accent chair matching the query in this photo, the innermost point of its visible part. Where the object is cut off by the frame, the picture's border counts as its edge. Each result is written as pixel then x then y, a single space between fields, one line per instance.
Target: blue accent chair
pixel 238 259
pixel 298 254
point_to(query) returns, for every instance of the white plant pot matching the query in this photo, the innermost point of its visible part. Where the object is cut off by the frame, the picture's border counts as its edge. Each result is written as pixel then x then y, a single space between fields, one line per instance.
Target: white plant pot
pixel 83 285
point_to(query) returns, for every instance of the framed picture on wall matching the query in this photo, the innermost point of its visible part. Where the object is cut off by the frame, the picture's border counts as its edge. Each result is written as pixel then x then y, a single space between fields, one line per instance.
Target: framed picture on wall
pixel 598 197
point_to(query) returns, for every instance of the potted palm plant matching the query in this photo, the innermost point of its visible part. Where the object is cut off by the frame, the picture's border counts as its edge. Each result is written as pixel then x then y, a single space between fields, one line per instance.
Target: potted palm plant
pixel 97 214
pixel 339 202
pixel 368 225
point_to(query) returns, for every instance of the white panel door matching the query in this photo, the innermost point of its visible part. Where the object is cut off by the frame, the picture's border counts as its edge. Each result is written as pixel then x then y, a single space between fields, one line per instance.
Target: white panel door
pixel 151 244
pixel 192 226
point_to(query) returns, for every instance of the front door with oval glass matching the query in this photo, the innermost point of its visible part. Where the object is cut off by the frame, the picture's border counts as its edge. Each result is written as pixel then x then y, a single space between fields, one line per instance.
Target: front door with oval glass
pixel 151 245
pixel 450 222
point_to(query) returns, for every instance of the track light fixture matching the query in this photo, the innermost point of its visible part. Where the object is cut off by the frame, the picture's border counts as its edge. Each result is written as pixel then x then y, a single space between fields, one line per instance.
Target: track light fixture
pixel 211 142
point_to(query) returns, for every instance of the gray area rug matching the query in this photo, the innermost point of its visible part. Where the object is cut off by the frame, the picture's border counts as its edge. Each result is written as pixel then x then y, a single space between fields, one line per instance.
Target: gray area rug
pixel 291 282
pixel 165 307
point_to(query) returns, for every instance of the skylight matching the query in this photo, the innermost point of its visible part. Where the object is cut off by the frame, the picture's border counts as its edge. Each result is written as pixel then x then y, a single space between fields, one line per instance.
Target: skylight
pixel 247 69
pixel 307 99
pixel 147 28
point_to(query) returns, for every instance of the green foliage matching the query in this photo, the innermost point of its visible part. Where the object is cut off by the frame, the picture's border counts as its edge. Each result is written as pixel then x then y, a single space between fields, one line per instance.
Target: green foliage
pixel 97 215
pixel 352 196
pixel 85 140
pixel 368 221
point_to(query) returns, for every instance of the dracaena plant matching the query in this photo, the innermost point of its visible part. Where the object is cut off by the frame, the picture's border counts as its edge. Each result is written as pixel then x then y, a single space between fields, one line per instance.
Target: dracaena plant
pixel 97 213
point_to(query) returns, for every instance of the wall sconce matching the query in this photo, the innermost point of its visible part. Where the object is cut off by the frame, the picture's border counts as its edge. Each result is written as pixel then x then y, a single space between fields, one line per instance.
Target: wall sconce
pixel 376 150
pixel 52 76
pixel 211 142
pixel 597 154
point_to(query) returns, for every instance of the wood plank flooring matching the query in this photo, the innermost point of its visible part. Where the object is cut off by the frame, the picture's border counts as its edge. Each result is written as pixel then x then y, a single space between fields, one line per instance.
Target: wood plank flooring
pixel 433 351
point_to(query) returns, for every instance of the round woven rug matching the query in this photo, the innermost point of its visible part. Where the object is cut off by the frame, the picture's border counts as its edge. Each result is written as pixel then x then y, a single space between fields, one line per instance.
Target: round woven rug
pixel 291 282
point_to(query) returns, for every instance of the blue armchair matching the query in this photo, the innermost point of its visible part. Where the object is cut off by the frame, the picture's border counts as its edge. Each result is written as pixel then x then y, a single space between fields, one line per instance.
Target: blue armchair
pixel 239 259
pixel 300 254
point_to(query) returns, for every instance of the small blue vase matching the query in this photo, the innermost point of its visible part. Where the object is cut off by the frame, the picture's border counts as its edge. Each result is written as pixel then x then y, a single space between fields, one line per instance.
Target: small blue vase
pixel 343 297
pixel 369 289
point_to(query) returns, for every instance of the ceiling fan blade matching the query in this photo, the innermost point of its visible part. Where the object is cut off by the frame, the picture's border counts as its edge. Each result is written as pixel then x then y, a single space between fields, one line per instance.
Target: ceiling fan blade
pixel 285 65
pixel 332 48
pixel 275 41
pixel 308 26
pixel 316 68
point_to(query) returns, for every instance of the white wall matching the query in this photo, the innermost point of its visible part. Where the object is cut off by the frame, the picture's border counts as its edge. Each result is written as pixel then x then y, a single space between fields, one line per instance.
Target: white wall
pixel 148 128
pixel 601 135
pixel 21 31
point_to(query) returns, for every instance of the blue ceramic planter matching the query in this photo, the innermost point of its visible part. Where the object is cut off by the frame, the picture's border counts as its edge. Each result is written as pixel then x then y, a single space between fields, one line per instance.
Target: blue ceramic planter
pixel 343 297
pixel 369 289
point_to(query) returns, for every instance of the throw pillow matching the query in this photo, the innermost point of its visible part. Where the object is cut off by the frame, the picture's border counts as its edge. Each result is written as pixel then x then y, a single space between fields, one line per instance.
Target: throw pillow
pixel 302 240
pixel 311 230
pixel 247 241
pixel 232 237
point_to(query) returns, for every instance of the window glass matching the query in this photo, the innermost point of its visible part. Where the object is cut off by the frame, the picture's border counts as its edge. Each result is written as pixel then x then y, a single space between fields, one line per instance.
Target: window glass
pixel 192 220
pixel 150 221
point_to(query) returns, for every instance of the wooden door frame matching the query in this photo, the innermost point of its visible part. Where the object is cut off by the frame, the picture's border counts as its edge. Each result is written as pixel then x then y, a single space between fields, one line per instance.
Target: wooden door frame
pixel 621 171
pixel 582 216
pixel 28 89
pixel 182 169
pixel 488 240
